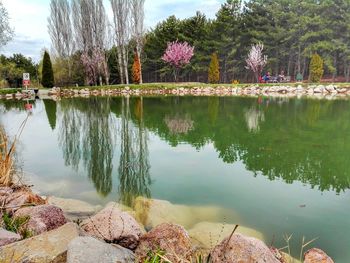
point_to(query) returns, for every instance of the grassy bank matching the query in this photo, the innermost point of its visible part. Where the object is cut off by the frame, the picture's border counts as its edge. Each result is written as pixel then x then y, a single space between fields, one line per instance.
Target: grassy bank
pixel 198 84
pixel 9 91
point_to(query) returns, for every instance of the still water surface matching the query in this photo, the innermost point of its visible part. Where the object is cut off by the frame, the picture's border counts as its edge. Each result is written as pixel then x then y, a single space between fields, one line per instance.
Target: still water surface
pixel 281 165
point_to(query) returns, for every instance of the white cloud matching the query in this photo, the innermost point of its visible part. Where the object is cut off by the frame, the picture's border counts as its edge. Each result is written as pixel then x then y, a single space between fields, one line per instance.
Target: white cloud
pixel 29 19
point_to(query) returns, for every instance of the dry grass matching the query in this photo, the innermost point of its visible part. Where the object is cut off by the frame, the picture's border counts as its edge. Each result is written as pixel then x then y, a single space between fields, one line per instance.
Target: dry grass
pixel 7 149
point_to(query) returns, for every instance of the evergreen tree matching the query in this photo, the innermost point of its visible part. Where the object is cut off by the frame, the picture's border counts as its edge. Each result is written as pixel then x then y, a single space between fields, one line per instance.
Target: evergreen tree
pixel 47 72
pixel 136 69
pixel 316 68
pixel 214 71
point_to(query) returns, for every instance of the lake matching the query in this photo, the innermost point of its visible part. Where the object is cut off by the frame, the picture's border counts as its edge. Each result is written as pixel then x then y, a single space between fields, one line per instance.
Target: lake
pixel 279 166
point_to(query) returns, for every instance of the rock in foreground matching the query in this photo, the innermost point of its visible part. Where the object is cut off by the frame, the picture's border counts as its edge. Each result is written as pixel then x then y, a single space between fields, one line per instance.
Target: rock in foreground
pixel 48 247
pixel 91 250
pixel 207 234
pixel 171 239
pixel 316 255
pixel 13 199
pixel 42 218
pixel 240 249
pixel 7 237
pixel 115 226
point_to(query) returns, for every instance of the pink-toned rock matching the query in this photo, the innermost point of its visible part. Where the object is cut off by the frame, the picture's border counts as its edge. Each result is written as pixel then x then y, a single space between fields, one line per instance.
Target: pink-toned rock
pixel 113 225
pixel 169 238
pixel 7 237
pixel 239 249
pixel 315 255
pixel 42 218
pixel 13 199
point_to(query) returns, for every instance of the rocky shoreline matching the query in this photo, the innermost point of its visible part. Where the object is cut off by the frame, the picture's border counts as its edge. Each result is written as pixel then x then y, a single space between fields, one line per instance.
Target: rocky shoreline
pixel 73 231
pixel 314 91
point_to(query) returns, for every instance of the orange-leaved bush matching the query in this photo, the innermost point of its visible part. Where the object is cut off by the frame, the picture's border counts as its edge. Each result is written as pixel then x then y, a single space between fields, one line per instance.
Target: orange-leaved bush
pixel 136 69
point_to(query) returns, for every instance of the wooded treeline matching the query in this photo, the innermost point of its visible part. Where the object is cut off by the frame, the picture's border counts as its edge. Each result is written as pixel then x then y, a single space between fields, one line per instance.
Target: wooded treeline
pixel 291 32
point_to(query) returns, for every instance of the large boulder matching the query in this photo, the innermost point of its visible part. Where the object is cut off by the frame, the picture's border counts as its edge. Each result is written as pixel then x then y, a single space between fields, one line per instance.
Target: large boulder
pixel 238 248
pixel 73 208
pixel 171 239
pixel 316 255
pixel 13 199
pixel 48 247
pixel 113 225
pixel 91 250
pixel 153 212
pixel 7 237
pixel 207 235
pixel 42 218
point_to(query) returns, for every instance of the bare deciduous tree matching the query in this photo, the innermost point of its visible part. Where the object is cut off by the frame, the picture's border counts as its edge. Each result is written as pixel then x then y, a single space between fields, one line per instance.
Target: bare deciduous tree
pixel 121 19
pixel 6 32
pixel 137 19
pixel 60 30
pixel 91 24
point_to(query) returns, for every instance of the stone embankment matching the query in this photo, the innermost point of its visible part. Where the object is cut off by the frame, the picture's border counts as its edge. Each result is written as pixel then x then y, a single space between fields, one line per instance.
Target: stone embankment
pixel 60 232
pixel 318 91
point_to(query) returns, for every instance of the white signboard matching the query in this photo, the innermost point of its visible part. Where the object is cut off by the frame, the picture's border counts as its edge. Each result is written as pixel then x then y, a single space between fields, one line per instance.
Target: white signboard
pixel 26 76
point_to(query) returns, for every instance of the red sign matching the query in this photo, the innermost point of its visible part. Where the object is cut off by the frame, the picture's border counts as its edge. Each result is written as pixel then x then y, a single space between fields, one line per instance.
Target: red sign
pixel 26 82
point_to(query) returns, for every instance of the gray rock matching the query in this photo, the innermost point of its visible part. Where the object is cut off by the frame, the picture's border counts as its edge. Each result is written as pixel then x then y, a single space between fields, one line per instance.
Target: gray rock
pixel 7 237
pixel 48 247
pixel 92 250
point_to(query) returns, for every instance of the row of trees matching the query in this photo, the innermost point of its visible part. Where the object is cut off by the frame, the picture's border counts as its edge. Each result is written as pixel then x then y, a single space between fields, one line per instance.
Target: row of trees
pixel 83 37
pixel 292 31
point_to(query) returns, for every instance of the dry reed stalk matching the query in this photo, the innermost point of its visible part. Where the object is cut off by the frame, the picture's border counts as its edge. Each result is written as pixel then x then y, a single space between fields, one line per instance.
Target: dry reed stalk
pixel 7 150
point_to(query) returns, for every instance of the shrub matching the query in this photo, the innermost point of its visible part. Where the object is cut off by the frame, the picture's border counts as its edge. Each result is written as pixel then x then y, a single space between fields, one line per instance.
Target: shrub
pixel 136 69
pixel 47 72
pixel 316 68
pixel 214 71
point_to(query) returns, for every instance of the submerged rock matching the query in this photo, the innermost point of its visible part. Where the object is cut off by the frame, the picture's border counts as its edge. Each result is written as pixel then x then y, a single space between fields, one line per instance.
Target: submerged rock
pixel 153 212
pixel 91 250
pixel 113 225
pixel 42 218
pixel 315 255
pixel 172 240
pixel 7 237
pixel 239 249
pixel 48 247
pixel 74 208
pixel 207 234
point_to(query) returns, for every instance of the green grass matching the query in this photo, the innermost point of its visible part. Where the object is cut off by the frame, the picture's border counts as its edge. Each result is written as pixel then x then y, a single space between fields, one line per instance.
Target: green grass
pixel 16 225
pixel 9 91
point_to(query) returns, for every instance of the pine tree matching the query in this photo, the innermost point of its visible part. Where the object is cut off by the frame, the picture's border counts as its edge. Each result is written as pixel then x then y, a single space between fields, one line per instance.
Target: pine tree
pixel 316 68
pixel 47 72
pixel 214 71
pixel 136 69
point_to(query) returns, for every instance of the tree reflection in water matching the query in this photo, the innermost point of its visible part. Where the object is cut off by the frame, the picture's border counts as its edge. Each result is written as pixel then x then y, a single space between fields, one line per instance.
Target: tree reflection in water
pixel 87 134
pixel 134 164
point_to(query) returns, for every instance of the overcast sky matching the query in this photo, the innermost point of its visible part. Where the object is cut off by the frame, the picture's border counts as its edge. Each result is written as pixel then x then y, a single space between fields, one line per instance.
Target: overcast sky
pixel 29 20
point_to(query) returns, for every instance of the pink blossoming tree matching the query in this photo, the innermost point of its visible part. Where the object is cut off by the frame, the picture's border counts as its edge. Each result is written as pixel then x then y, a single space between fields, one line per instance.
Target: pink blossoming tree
pixel 178 54
pixel 256 61
pixel 95 65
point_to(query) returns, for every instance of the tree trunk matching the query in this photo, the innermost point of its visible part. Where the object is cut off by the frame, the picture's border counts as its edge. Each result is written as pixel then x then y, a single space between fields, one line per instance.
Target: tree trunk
pixel 121 72
pixel 125 64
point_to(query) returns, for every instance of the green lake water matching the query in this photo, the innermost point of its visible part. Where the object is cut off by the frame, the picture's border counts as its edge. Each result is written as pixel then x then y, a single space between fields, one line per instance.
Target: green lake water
pixel 281 166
